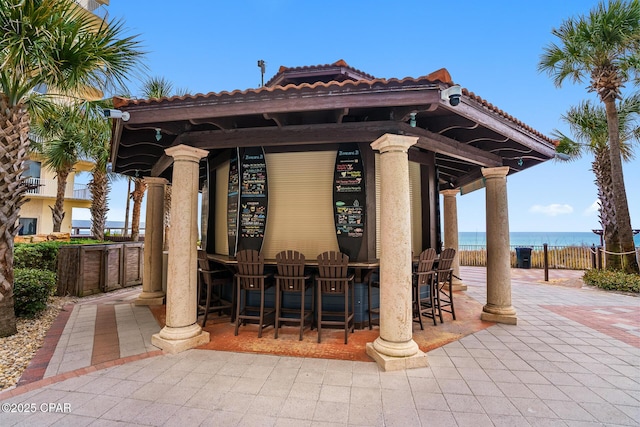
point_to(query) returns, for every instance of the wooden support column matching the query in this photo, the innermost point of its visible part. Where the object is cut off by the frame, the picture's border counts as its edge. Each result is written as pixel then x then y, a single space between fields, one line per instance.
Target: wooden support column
pixel 451 234
pixel 395 348
pixel 152 293
pixel 182 331
pixel 498 307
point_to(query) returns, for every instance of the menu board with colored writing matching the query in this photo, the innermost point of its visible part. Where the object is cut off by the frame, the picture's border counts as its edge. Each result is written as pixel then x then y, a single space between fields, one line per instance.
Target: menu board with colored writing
pixel 349 199
pixel 232 203
pixel 253 198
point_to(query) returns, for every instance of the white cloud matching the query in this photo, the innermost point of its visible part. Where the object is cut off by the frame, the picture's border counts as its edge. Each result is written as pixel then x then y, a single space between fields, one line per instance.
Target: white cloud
pixel 593 209
pixel 554 209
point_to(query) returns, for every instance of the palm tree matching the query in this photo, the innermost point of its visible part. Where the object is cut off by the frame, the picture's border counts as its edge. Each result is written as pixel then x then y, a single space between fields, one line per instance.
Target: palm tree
pixel 57 139
pixel 588 123
pixel 605 48
pixel 139 187
pixel 97 142
pixel 45 43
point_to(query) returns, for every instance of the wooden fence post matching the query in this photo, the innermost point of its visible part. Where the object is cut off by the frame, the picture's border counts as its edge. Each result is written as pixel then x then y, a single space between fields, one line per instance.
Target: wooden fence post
pixel 546 262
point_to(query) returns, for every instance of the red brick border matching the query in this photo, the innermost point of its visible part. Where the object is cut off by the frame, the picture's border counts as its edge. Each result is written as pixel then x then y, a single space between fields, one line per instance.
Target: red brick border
pixel 38 365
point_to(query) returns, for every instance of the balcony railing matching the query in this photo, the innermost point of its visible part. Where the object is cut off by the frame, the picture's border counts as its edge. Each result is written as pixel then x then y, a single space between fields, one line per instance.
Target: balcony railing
pixel 49 188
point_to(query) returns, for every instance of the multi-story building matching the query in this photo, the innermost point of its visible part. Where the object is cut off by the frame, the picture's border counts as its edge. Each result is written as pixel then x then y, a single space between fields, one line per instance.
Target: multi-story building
pixel 35 214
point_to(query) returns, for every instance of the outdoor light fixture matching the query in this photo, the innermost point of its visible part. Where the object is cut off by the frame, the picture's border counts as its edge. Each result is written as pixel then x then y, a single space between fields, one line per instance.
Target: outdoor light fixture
pixel 116 114
pixel 520 161
pixel 412 120
pixel 158 134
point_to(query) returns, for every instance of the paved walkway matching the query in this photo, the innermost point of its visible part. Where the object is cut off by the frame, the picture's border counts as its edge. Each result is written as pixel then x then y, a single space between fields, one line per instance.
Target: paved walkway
pixel 572 360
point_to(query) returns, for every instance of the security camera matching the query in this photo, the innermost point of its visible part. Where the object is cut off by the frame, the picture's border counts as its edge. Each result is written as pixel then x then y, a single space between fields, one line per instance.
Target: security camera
pixel 116 114
pixel 451 94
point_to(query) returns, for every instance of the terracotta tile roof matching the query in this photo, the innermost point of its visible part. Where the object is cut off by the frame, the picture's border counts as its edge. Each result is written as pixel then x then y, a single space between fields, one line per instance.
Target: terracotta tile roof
pixel 438 76
pixel 340 63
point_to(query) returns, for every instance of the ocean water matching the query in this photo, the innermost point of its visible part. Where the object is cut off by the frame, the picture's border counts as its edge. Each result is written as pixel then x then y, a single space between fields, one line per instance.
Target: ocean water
pixel 522 238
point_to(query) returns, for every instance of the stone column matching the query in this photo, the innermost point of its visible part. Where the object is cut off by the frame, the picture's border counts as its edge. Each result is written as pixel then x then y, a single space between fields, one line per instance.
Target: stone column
pixel 182 331
pixel 152 293
pixel 395 348
pixel 451 234
pixel 498 307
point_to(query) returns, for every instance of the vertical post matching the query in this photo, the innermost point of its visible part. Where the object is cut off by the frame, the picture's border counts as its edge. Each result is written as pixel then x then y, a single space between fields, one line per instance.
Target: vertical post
pixel 152 293
pixel 594 263
pixel 498 307
pixel 126 212
pixel 546 262
pixel 451 234
pixel 600 257
pixel 395 348
pixel 182 331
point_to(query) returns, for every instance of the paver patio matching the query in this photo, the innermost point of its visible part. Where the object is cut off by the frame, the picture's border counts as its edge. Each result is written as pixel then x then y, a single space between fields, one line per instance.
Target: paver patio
pixel 572 360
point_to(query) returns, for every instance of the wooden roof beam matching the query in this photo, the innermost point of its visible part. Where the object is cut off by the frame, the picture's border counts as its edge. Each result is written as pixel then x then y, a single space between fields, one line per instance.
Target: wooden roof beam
pixel 338 133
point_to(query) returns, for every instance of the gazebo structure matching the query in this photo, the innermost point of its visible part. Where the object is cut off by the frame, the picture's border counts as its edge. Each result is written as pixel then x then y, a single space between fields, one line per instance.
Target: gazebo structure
pixel 323 158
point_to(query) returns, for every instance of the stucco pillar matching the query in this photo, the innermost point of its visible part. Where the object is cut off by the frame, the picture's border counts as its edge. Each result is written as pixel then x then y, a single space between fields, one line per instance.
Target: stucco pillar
pixel 451 234
pixel 395 348
pixel 182 331
pixel 152 293
pixel 498 307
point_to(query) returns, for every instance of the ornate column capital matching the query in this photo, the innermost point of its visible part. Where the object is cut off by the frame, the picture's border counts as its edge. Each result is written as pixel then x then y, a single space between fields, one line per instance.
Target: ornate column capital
pixel 186 152
pixel 391 142
pixel 154 180
pixel 499 172
pixel 450 193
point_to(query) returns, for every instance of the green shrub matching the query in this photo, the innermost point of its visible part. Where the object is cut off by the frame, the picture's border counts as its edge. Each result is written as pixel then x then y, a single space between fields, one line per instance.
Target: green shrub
pixel 32 289
pixel 42 255
pixel 612 280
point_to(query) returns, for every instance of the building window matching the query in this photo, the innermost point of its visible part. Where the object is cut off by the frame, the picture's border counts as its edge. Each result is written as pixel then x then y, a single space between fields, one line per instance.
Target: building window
pixel 32 175
pixel 28 226
pixel 32 169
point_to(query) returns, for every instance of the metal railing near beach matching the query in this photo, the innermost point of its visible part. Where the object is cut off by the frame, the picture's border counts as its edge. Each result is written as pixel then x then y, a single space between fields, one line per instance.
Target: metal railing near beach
pixel 559 257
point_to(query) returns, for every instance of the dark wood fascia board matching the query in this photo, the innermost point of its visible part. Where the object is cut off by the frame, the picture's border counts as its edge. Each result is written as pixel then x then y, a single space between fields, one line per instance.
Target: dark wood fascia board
pixel 281 102
pixel 502 126
pixel 116 133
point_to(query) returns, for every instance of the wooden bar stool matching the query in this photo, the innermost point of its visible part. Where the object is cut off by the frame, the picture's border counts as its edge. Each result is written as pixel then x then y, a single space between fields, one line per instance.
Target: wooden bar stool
pixel 444 282
pixel 423 279
pixel 250 278
pixel 292 280
pixel 333 279
pixel 210 284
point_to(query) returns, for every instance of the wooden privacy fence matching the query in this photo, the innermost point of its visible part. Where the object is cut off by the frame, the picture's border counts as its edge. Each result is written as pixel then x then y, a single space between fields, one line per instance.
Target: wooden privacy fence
pixel 560 257
pixel 89 269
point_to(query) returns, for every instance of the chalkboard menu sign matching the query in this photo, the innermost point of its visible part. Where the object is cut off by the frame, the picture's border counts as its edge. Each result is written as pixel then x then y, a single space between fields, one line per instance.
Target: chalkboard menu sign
pixel 349 199
pixel 232 203
pixel 253 198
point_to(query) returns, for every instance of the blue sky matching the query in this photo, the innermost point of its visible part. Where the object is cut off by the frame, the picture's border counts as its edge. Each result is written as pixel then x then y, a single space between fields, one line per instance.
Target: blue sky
pixel 491 47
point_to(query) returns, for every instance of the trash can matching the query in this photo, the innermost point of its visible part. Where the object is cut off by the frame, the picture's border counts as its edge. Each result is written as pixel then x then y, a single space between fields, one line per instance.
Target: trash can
pixel 523 257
